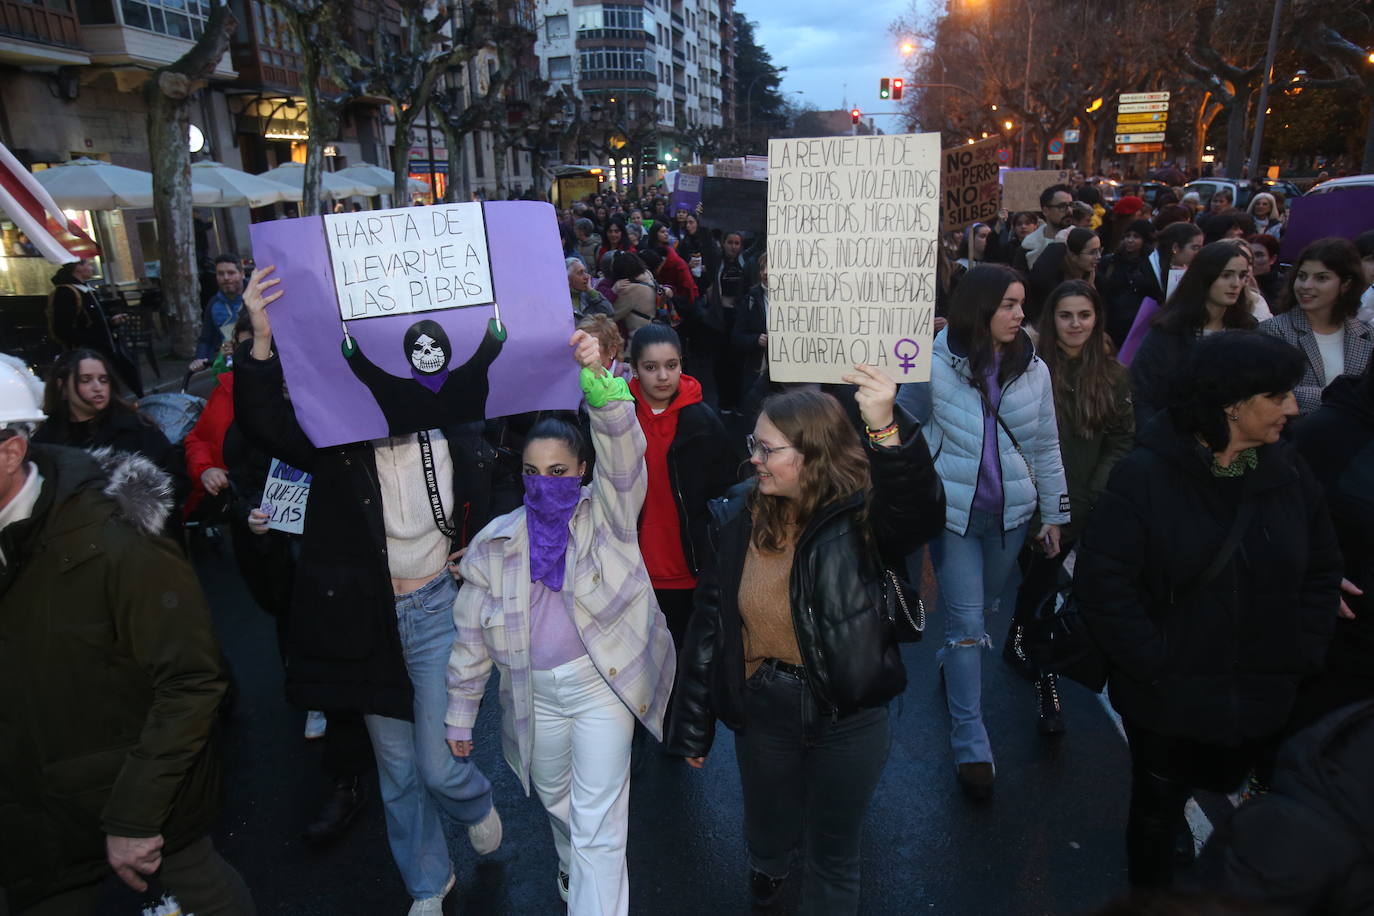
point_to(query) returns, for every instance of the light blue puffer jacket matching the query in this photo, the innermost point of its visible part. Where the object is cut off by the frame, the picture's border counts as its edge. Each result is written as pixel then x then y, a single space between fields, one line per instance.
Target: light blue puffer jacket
pixel 955 435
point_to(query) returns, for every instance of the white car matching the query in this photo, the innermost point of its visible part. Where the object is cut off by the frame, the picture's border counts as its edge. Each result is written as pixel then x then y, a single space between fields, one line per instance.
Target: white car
pixel 1340 184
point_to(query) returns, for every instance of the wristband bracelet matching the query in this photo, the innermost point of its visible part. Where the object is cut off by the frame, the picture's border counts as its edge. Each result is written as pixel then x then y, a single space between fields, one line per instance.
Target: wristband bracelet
pixel 878 435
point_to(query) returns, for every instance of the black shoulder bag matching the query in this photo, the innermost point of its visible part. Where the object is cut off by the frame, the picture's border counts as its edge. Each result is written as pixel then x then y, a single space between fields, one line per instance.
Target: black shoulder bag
pixel 1058 639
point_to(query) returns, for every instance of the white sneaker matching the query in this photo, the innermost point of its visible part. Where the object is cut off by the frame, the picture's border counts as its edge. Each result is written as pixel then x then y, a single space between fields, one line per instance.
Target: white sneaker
pixel 563 885
pixel 485 836
pixel 432 906
pixel 315 725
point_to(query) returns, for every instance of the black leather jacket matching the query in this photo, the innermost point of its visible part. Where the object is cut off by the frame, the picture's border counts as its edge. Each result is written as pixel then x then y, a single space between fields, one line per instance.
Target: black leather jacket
pixel 849 652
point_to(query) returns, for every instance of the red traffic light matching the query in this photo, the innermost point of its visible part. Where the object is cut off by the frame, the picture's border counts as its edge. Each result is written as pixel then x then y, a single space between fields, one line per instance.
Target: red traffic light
pixel 854 115
pixel 897 85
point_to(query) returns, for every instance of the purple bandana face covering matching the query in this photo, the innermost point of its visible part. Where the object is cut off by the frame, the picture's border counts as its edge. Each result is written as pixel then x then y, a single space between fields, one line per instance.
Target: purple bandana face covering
pixel 432 382
pixel 549 505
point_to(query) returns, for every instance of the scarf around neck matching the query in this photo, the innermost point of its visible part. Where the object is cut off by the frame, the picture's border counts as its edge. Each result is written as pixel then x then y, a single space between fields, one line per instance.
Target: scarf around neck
pixel 549 505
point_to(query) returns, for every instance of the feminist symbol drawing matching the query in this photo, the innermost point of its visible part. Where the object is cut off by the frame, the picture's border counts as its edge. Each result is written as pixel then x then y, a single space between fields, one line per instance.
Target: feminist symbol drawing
pixel 906 360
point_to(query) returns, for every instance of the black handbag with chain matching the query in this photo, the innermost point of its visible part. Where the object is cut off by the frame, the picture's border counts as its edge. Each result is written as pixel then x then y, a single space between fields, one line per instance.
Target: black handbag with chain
pixel 907 616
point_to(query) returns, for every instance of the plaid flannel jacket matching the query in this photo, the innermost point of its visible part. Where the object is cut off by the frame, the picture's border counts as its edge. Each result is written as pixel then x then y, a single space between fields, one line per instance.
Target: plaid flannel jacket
pixel 614 606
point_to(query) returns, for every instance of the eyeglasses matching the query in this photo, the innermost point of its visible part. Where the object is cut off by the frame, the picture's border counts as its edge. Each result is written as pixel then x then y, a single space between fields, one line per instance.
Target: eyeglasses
pixel 764 452
pixel 1063 206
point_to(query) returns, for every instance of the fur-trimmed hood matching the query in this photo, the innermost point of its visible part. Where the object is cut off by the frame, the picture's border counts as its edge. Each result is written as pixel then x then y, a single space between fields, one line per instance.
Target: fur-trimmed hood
pixel 141 489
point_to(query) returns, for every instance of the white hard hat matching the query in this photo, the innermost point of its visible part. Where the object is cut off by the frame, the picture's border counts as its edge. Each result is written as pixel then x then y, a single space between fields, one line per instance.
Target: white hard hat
pixel 21 394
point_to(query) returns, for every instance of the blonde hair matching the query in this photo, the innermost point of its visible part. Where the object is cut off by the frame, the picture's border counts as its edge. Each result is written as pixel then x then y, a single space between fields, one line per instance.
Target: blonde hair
pixel 605 332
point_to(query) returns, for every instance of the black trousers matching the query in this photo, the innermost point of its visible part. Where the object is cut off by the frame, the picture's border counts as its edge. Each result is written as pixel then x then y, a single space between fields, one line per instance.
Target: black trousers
pixel 1165 770
pixel 807 784
pixel 347 748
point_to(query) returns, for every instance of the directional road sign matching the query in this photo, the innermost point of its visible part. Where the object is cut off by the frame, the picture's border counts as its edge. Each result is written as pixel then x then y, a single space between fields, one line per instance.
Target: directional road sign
pixel 1143 106
pixel 1140 147
pixel 1133 117
pixel 1131 97
pixel 1140 138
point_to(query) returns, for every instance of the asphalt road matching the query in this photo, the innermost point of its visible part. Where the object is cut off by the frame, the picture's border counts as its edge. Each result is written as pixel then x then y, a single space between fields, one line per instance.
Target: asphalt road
pixel 1050 842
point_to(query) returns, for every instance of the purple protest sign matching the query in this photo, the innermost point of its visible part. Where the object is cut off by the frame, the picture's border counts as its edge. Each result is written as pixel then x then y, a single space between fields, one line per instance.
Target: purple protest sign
pixel 434 367
pixel 686 193
pixel 1342 214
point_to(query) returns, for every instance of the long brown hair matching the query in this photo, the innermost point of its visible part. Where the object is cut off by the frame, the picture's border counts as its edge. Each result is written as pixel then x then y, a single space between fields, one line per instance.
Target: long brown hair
pixel 1091 401
pixel 834 465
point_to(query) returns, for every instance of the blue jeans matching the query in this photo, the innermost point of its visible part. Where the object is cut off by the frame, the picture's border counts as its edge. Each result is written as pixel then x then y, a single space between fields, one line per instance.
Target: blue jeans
pixel 972 571
pixel 419 776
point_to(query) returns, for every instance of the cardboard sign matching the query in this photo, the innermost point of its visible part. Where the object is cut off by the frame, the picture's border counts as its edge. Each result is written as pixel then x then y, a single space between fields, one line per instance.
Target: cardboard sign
pixel 969 187
pixel 285 496
pixel 853 225
pixel 1021 187
pixel 368 378
pixel 395 262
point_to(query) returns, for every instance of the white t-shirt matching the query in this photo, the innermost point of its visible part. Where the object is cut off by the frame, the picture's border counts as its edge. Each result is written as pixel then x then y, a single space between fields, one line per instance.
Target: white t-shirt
pixel 1332 349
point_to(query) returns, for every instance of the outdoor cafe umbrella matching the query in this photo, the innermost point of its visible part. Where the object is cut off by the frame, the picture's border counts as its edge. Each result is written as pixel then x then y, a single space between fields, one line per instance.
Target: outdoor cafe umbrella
pixel 91 184
pixel 292 174
pixel 381 179
pixel 239 188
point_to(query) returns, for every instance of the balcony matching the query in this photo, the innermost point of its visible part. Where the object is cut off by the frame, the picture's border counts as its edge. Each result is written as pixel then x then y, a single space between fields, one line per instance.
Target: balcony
pixel 591 80
pixel 33 34
pixel 116 44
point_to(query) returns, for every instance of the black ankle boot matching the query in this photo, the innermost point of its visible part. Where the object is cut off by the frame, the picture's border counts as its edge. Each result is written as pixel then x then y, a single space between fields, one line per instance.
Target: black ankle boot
pixel 1047 698
pixel 1014 652
pixel 338 812
pixel 764 889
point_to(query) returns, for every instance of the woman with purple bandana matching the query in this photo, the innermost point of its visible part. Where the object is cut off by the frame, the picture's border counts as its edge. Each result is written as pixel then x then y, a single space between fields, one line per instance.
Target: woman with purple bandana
pixel 557 596
pixel 996 446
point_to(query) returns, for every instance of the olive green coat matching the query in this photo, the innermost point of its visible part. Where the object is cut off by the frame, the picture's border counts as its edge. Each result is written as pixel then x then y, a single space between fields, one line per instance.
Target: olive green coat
pixel 110 678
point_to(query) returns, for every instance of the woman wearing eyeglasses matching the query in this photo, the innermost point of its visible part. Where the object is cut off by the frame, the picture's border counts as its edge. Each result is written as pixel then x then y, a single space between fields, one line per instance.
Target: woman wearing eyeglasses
pixel 689 461
pixel 787 645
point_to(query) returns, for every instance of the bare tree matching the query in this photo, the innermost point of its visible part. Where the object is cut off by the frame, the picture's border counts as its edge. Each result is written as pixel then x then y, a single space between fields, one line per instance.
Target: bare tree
pixel 168 94
pixel 404 69
pixel 1347 63
pixel 319 39
pixel 1226 56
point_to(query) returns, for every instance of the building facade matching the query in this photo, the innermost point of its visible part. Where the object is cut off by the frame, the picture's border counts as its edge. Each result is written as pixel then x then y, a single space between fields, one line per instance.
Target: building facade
pixel 653 79
pixel 72 74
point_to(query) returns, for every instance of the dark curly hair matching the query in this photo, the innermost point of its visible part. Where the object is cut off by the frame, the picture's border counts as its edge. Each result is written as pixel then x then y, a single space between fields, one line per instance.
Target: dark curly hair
pixel 1224 369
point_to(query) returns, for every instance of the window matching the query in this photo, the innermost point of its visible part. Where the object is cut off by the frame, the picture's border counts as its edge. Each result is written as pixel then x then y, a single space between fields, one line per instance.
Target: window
pixel 560 68
pixel 597 63
pixel 177 18
pixel 616 19
pixel 556 27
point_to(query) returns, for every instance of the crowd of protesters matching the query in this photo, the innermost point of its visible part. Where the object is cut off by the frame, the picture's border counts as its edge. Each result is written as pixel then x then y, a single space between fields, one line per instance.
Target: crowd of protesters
pixel 1141 398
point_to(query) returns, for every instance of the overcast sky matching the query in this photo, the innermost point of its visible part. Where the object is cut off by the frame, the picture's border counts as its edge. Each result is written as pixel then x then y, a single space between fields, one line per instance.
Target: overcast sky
pixel 835 51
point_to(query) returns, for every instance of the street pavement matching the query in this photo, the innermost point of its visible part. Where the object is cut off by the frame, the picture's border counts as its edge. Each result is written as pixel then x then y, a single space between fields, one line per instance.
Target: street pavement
pixel 1049 842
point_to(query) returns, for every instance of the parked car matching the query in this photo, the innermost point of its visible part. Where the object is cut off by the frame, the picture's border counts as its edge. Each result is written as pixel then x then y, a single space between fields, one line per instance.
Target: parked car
pixel 1341 184
pixel 1241 190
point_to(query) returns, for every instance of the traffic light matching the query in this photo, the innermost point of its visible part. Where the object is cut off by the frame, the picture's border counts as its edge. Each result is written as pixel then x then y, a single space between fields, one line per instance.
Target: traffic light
pixel 854 116
pixel 884 88
pixel 897 88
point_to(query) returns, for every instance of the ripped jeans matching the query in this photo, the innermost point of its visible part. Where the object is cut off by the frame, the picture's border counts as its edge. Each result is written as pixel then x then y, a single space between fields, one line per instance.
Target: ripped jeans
pixel 971 571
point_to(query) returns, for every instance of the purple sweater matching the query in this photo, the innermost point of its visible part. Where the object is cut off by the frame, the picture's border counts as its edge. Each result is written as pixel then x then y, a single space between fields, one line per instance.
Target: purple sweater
pixel 987 496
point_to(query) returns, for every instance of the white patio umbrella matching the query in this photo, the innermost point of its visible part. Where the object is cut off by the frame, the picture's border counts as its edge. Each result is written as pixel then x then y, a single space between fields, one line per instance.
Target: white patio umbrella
pixel 379 178
pixel 239 188
pixel 333 187
pixel 90 184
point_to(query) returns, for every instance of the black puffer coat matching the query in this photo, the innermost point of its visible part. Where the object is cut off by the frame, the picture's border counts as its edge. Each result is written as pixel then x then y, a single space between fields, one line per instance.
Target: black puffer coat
pixel 345 651
pixel 1307 846
pixel 849 653
pixel 701 466
pixel 1221 666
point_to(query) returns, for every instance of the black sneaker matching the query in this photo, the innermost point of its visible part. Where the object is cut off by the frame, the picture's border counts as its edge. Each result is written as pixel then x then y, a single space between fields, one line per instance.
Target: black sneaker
pixel 976 779
pixel 763 888
pixel 1051 722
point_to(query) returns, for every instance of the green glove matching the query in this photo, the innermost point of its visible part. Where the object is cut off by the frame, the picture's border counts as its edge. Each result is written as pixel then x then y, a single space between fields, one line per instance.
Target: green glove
pixel 601 387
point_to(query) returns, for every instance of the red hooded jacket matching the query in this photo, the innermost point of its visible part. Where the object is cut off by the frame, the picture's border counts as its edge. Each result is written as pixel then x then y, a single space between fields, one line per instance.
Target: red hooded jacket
pixel 205 442
pixel 660 530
